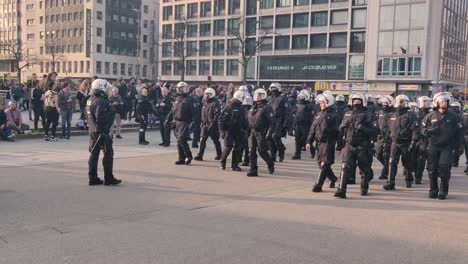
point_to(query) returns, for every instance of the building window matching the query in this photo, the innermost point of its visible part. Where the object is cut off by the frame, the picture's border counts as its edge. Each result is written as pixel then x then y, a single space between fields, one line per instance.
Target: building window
pixel 299 42
pixel 205 29
pixel 218 47
pixel 179 11
pixel 167 13
pixel 145 9
pixel 359 18
pixel 218 67
pixel 232 67
pixel 300 20
pixel 107 68
pixel 205 9
pixel 319 19
pixel 204 67
pixel 166 68
pixel 318 41
pixel 319 1
pixel 402 14
pixel 359 2
pixel 130 70
pixel 99 48
pixel 191 48
pixel 301 2
pixel 191 67
pixel 418 15
pixel 283 3
pixel 233 47
pixel 400 42
pixel 219 28
pixel 98 67
pixel 338 40
pixel 399 66
pixel 358 41
pixel 115 68
pixel 283 21
pixel 282 43
pixel 204 48
pixel 233 26
pixel 383 67
pixel 192 30
pixel 385 43
pixel 99 15
pixel 167 31
pixel 414 66
pixel 234 7
pixel 99 32
pixel 122 69
pixel 219 7
pixel 266 22
pixel 267 44
pixel 266 4
pixel 251 26
pixel 339 17
pixel 416 42
pixel 356 67
pixel 386 17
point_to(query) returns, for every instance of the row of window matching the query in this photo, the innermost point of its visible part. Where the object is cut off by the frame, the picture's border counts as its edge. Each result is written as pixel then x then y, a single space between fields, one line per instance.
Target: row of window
pixel 399 66
pixel 65 67
pixel 59 3
pixel 59 18
pixel 452 71
pixel 56 34
pixel 403 16
pixel 205 68
pixel 401 42
pixel 120 70
pixel 192 10
pixel 121 51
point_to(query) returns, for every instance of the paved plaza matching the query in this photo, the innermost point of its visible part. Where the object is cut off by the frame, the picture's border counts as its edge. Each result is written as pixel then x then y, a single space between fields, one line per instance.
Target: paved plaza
pixel 200 214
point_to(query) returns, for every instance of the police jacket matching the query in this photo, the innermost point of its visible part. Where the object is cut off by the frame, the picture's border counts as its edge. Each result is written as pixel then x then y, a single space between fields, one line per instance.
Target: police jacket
pixel 371 107
pixel 358 128
pixel 465 125
pixel 443 129
pixel 422 141
pixel 183 109
pixel 210 112
pixel 117 104
pixel 100 115
pixel 163 110
pixel 198 108
pixel 261 117
pixel 280 106
pixel 403 125
pixel 233 118
pixel 383 117
pixel 325 127
pixel 304 114
pixel 144 108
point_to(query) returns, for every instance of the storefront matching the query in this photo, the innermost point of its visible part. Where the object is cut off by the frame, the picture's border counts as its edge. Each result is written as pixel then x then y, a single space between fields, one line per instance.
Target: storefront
pixel 411 90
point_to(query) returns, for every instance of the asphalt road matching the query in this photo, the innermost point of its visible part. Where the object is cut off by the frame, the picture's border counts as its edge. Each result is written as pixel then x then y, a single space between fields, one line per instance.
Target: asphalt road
pixel 200 214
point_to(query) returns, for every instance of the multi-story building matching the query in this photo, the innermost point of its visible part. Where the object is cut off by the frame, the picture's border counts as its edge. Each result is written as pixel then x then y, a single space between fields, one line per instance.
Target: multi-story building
pixel 85 38
pixel 342 45
pixel 9 38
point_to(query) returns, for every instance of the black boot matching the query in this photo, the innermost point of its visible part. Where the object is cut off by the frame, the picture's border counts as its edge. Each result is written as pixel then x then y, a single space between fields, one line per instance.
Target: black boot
pixel 296 157
pixel 389 186
pixel 317 188
pixel 252 172
pixel 364 191
pixel 340 193
pixel 198 158
pixel 271 169
pixel 113 181
pixel 180 162
pixel 95 181
pixel 442 196
pixel 433 194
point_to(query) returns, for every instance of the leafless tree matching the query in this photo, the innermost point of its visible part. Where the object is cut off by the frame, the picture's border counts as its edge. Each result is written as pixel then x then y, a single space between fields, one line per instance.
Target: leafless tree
pixel 20 58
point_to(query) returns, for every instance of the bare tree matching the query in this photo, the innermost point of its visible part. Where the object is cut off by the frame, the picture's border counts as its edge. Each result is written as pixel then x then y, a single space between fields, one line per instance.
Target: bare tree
pixel 53 54
pixel 175 43
pixel 20 58
pixel 249 43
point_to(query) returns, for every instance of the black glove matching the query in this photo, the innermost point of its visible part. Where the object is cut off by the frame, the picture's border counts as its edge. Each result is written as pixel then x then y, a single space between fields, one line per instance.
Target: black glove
pixel 434 130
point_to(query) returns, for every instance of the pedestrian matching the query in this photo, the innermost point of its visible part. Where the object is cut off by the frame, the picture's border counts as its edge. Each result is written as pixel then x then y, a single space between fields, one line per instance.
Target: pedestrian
pixel 384 141
pixel 64 100
pixel 143 110
pixel 261 121
pixel 303 120
pixel 196 128
pixel 182 113
pixel 82 96
pixel 324 130
pixel 31 85
pixel 444 129
pixel 37 101
pixel 164 107
pixel 17 93
pixel 233 126
pixel 358 128
pixel 131 96
pixel 51 112
pixel 26 99
pixel 280 106
pixel 117 105
pixel 424 105
pixel 209 123
pixel 100 120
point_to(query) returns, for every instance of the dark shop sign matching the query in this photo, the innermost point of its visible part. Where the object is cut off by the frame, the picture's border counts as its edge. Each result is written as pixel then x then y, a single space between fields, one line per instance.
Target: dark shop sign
pixel 303 67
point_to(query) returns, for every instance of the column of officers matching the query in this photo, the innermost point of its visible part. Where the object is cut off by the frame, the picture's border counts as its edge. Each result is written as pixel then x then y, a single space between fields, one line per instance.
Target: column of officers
pixel 426 135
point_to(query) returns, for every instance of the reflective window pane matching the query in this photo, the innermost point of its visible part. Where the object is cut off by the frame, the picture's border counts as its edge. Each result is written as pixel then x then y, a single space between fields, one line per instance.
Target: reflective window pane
pixel 386 17
pixel 319 19
pixel 338 40
pixel 418 15
pixel 356 67
pixel 300 20
pixel 283 21
pixel 299 42
pixel 400 42
pixel 318 41
pixel 282 43
pixel 358 41
pixel 339 17
pixel 402 13
pixel 385 43
pixel 416 42
pixel 359 18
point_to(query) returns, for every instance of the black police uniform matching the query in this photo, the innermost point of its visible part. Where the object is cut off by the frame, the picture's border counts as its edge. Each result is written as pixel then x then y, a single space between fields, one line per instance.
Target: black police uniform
pixel 325 131
pixel 422 144
pixel 261 121
pixel 303 119
pixel 280 106
pixel 100 120
pixel 358 128
pixel 384 141
pixel 465 124
pixel 445 133
pixel 123 93
pixel 292 100
pixel 458 151
pixel 143 109
pixel 182 112
pixel 164 107
pixel 403 126
pixel 245 145
pixel 209 127
pixel 196 128
pixel 233 126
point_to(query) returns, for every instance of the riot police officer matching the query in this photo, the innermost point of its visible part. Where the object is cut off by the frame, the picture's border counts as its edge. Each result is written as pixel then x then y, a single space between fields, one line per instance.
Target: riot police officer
pixel 403 131
pixel 302 121
pixel 340 105
pixel 100 120
pixel 196 128
pixel 182 112
pixel 209 123
pixel 371 107
pixel 164 107
pixel 424 105
pixel 465 124
pixel 143 109
pixel 457 109
pixel 233 125
pixel 445 132
pixel 247 104
pixel 261 121
pixel 280 106
pixel 324 130
pixel 292 100
pixel 384 141
pixel 358 128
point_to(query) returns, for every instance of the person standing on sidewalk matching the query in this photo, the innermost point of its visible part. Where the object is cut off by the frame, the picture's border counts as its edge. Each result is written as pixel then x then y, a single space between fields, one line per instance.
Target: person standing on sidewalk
pixel 66 109
pixel 52 112
pixel 164 107
pixel 82 96
pixel 143 109
pixel 117 105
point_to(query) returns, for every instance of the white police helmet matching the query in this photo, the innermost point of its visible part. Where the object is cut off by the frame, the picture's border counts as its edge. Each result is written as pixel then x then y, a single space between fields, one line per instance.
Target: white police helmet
pixel 239 96
pixel 275 87
pixel 101 85
pixel 247 100
pixel 325 97
pixel 442 96
pixel 402 101
pixel 304 95
pixel 209 93
pixel 182 88
pixel 424 102
pixel 339 98
pixel 359 96
pixel 457 105
pixel 259 95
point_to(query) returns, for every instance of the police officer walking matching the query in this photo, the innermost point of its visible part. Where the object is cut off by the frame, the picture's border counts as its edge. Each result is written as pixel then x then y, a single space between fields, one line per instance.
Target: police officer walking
pixel 196 128
pixel 209 124
pixel 143 109
pixel 324 131
pixel 457 109
pixel 233 125
pixel 182 112
pixel 424 105
pixel 384 141
pixel 302 121
pixel 261 121
pixel 247 104
pixel 163 107
pixel 445 132
pixel 100 120
pixel 358 128
pixel 403 131
pixel 280 106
